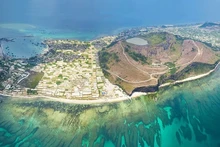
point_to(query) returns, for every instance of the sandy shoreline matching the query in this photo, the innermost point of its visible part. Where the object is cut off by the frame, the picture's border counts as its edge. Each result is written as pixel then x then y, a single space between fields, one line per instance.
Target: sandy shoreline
pixel 83 102
pixel 104 101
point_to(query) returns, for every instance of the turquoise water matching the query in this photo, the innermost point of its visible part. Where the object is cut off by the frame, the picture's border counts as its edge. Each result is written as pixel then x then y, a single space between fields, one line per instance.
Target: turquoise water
pixel 28 39
pixel 86 20
pixel 182 116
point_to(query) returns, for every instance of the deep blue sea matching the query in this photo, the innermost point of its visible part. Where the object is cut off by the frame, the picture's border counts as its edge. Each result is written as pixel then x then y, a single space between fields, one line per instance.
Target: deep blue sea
pixel 104 16
pixel 86 20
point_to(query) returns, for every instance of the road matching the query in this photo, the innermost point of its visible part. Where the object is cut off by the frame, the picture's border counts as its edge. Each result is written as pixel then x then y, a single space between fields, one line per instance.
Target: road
pixel 133 82
pixel 199 53
pixel 23 77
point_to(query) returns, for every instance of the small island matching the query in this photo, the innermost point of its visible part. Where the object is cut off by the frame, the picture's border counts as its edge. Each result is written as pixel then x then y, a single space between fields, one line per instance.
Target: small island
pixel 113 68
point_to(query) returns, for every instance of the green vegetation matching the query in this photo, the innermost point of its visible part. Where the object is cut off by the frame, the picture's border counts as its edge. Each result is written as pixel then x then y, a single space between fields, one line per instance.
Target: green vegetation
pixel 155 38
pixel 173 48
pixel 16 66
pixel 115 57
pixel 172 67
pixel 195 68
pixel 176 46
pixel 170 64
pixel 60 76
pixel 179 39
pixel 28 66
pixel 32 92
pixel 173 70
pixel 198 68
pixel 124 86
pixel 88 45
pixel 4 71
pixel 3 76
pixel 1 63
pixel 1 87
pixel 112 44
pixel 106 57
pixel 106 74
pixel 136 56
pixel 58 82
pixel 32 80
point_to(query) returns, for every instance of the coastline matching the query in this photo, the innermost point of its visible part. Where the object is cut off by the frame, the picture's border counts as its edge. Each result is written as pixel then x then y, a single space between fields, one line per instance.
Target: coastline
pixel 105 101
pixel 81 102
pixel 1 50
pixel 191 78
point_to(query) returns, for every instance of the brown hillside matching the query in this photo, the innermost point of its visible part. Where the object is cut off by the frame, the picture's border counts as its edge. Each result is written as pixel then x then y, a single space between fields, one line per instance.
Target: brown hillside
pixel 131 66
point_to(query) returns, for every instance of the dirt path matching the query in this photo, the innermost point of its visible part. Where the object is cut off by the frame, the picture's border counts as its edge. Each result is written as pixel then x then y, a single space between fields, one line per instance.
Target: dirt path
pixel 24 77
pixel 130 61
pixel 133 82
pixel 199 53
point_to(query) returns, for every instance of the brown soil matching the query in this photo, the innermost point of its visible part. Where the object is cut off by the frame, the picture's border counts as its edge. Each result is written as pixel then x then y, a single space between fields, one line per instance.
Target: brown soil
pixel 130 74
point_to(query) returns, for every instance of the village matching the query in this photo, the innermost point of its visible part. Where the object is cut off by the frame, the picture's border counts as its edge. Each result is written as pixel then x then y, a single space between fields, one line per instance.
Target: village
pixel 65 71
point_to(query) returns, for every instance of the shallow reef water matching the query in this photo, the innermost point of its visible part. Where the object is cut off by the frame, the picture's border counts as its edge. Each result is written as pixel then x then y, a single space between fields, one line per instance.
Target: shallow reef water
pixel 184 115
pixel 26 40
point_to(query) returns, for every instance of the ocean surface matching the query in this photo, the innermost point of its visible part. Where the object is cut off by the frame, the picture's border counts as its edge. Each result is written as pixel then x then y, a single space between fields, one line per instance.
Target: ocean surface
pixel 106 16
pixel 86 20
pixel 27 39
pixel 184 115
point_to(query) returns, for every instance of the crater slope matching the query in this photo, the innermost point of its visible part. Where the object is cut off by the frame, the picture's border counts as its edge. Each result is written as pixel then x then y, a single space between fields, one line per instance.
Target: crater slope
pixel 165 58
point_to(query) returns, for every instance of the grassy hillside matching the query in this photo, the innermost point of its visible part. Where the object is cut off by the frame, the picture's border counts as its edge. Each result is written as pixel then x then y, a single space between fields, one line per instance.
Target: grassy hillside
pixel 136 56
pixel 155 38
pixel 193 69
pixel 105 58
